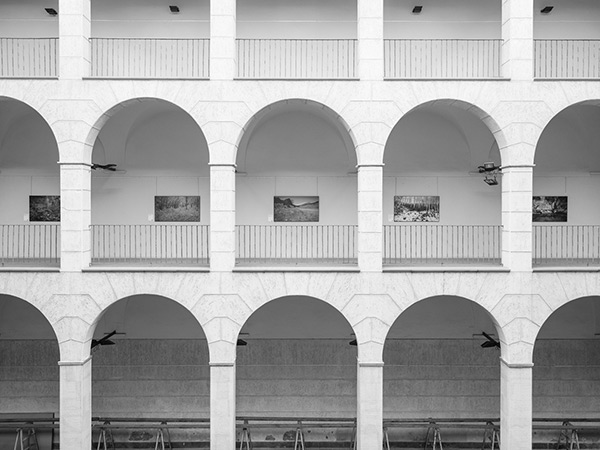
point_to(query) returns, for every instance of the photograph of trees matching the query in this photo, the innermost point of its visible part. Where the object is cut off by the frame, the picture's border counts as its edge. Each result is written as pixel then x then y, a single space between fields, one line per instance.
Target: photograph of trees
pixel 416 208
pixel 177 208
pixel 549 209
pixel 44 208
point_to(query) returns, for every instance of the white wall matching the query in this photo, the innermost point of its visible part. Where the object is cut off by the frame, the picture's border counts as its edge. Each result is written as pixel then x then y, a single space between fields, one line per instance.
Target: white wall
pixel 28 19
pixel 150 19
pixel 291 19
pixel 570 19
pixel 448 19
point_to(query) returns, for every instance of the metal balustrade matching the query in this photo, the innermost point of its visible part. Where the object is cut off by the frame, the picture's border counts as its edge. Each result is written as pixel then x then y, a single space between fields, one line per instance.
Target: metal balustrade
pixel 28 57
pixel 566 245
pixel 296 244
pixel 149 58
pixel 297 58
pixel 150 244
pixel 567 58
pixel 442 58
pixel 442 244
pixel 30 245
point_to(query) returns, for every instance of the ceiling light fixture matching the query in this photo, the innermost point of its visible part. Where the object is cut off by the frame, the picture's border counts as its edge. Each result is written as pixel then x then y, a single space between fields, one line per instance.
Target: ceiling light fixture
pixel 417 9
pixel 547 9
pixel 174 9
pixel 491 170
pixel 51 11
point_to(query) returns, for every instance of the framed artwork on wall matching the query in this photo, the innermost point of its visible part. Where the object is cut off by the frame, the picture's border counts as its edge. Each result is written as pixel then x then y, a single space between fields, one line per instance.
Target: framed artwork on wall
pixel 296 209
pixel 416 208
pixel 173 208
pixel 550 209
pixel 44 208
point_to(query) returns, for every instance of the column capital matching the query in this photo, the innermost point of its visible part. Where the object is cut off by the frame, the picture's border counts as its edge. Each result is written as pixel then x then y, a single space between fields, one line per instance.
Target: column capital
pixel 521 365
pixel 360 166
pixel 75 363
pixel 222 165
pixel 517 166
pixel 370 363
pixel 222 364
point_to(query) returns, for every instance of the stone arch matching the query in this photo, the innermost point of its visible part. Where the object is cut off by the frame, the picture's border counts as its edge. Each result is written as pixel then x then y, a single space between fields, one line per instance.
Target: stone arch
pixel 343 128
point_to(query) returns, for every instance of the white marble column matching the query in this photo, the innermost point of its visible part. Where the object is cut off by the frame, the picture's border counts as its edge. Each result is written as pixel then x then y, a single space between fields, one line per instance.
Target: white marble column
pixel 370 217
pixel 517 190
pixel 75 216
pixel 75 404
pixel 222 406
pixel 222 217
pixel 223 59
pixel 516 392
pixel 370 39
pixel 517 36
pixel 369 433
pixel 75 27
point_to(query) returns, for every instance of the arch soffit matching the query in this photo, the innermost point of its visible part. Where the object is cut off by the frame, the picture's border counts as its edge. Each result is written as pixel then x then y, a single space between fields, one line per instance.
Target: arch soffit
pixel 488 120
pixel 39 307
pixel 104 117
pixel 547 120
pixel 254 118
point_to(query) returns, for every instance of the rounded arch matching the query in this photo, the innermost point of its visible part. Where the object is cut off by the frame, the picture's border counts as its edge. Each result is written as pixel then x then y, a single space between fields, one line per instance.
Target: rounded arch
pixel 322 110
pixel 16 311
pixel 109 113
pixel 577 317
pixel 469 108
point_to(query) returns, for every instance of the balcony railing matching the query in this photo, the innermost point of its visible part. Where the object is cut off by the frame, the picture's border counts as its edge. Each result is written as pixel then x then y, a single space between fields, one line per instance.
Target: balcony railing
pixel 28 58
pixel 296 58
pixel 149 58
pixel 296 244
pixel 442 58
pixel 30 245
pixel 150 244
pixel 567 58
pixel 442 244
pixel 566 245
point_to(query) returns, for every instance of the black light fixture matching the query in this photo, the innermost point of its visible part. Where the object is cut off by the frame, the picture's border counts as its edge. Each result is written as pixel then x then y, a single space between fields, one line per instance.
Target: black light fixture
pixel 417 9
pixel 490 169
pixel 491 342
pixel 491 180
pixel 51 11
pixel 104 340
pixel 174 9
pixel 547 9
pixel 241 343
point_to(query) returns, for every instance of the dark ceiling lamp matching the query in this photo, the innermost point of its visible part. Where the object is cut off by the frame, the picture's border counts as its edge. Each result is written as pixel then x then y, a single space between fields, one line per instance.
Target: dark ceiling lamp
pixel 241 343
pixel 491 342
pixel 353 343
pixel 491 170
pixel 417 9
pixel 174 9
pixel 105 340
pixel 51 11
pixel 547 9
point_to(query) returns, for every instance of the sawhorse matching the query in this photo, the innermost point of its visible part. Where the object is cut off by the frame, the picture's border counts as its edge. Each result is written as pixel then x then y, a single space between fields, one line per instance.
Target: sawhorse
pixel 26 442
pixel 299 442
pixel 491 437
pixel 105 438
pixel 160 437
pixel 246 438
pixel 570 436
pixel 433 439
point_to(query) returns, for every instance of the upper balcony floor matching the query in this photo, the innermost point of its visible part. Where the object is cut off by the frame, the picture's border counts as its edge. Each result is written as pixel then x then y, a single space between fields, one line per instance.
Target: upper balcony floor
pixel 330 39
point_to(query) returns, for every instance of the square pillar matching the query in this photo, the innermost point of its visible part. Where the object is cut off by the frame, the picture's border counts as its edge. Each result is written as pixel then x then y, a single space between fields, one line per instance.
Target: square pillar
pixel 222 406
pixel 516 411
pixel 222 217
pixel 75 404
pixel 369 432
pixel 75 216
pixel 370 39
pixel 517 191
pixel 223 53
pixel 75 29
pixel 517 36
pixel 370 217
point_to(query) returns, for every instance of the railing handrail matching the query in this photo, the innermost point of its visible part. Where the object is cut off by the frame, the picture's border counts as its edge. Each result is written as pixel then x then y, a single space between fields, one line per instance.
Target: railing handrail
pixel 567 40
pixel 299 39
pixel 148 39
pixel 437 39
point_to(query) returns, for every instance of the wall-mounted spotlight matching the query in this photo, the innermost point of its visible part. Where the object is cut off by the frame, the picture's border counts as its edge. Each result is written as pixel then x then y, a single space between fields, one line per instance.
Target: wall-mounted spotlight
pixel 174 9
pixel 547 9
pixel 491 180
pixel 51 11
pixel 417 9
pixel 490 169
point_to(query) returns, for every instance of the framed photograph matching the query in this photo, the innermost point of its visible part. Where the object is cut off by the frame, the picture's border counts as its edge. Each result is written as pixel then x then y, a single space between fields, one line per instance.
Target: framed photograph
pixel 183 208
pixel 416 208
pixel 44 208
pixel 296 209
pixel 549 209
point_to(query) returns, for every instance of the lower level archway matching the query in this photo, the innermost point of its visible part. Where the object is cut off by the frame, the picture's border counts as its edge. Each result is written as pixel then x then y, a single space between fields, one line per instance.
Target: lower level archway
pixel 296 368
pixel 29 372
pixel 437 370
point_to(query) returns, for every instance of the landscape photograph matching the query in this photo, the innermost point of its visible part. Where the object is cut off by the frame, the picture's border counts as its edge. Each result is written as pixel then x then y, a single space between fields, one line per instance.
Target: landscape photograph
pixel 44 208
pixel 549 209
pixel 177 208
pixel 416 208
pixel 296 209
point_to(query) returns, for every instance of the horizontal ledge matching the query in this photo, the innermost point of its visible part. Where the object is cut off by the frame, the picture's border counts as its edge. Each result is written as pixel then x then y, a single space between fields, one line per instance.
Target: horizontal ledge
pixel 354 269
pixel 567 79
pixel 566 269
pixel 145 79
pixel 297 79
pixel 145 269
pixel 447 79
pixel 29 269
pixel 28 78
pixel 446 269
